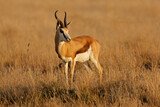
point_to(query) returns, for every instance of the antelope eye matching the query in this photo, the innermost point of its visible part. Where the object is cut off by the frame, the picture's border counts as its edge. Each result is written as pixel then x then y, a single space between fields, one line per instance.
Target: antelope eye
pixel 61 30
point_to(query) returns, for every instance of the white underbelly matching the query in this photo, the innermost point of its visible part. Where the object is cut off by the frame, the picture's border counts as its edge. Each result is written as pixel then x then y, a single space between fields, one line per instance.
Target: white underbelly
pixel 82 57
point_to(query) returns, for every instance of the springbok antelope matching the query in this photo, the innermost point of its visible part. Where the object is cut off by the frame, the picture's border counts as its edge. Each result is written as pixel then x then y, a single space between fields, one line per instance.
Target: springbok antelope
pixel 81 48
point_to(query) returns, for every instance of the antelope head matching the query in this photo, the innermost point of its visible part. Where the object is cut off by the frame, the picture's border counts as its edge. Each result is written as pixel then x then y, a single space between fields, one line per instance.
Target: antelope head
pixel 62 29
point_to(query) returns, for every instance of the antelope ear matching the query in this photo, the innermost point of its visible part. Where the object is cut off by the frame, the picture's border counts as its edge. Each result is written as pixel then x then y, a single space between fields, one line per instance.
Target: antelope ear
pixel 68 23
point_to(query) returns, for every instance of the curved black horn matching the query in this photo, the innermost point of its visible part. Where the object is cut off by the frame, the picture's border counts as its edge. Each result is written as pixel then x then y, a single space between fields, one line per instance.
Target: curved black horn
pixel 58 20
pixel 56 14
pixel 65 20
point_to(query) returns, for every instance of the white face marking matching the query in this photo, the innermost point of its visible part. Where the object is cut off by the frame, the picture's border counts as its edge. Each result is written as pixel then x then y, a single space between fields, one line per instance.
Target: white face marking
pixel 63 35
pixel 82 57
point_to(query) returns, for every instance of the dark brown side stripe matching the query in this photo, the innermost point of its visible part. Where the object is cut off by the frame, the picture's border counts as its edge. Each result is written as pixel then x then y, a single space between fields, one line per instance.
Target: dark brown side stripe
pixel 84 49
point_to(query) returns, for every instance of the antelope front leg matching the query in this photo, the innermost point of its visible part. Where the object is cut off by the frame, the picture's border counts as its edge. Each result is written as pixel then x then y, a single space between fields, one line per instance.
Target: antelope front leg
pixel 66 72
pixel 73 62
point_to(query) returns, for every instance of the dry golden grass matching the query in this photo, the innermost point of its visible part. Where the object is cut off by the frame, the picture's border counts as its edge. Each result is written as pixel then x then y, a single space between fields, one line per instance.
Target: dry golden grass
pixel 30 74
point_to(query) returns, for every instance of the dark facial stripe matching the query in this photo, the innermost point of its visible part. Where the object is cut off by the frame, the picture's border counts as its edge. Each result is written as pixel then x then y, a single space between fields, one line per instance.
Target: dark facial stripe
pixel 61 30
pixel 64 36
